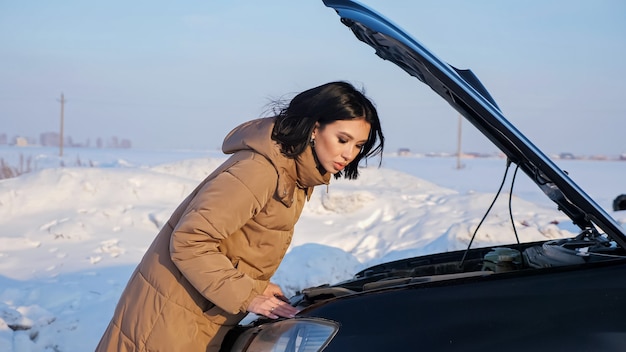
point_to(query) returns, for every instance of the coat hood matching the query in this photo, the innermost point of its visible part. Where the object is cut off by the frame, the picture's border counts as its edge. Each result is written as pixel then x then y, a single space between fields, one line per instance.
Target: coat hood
pixel 302 172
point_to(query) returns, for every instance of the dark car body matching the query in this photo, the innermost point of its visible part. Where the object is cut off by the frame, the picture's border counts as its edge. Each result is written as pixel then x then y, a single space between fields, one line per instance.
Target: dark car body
pixel 561 295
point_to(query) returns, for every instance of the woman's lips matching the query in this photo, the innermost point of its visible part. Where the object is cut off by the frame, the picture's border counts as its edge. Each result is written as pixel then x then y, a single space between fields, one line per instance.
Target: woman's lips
pixel 339 166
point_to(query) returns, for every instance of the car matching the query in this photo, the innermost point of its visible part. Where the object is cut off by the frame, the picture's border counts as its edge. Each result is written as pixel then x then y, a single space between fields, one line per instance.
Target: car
pixel 561 294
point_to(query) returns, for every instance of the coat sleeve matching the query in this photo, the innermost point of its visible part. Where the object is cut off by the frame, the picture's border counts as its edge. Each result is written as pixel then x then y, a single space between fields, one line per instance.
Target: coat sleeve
pixel 221 207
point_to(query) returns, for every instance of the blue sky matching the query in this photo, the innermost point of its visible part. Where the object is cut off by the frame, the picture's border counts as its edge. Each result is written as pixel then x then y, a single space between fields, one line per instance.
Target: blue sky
pixel 181 75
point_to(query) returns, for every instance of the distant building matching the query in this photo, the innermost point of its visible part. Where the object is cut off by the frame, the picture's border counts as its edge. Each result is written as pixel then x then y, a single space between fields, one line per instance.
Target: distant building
pixel 567 156
pixel 116 142
pixel 599 157
pixel 404 152
pixel 53 139
pixel 20 141
pixel 113 143
pixel 49 139
pixel 125 143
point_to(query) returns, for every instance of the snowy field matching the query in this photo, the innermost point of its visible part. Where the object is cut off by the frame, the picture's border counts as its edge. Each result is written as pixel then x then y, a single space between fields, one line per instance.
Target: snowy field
pixel 72 229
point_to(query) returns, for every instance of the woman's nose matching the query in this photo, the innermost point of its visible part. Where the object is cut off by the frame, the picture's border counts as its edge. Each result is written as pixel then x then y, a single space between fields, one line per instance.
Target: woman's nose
pixel 348 153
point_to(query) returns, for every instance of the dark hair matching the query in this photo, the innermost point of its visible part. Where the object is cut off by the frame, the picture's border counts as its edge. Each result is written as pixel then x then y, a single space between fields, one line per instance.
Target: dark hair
pixel 326 104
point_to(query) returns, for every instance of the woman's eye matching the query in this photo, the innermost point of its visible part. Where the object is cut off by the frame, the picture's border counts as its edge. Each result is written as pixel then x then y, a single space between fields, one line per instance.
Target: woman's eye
pixel 342 141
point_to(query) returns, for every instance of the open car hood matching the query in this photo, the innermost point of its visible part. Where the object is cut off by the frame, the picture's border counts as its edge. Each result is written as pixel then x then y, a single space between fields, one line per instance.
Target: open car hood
pixel 466 94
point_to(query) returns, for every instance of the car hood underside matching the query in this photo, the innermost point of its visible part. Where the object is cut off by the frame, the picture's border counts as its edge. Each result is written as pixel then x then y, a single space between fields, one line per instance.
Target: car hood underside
pixel 466 94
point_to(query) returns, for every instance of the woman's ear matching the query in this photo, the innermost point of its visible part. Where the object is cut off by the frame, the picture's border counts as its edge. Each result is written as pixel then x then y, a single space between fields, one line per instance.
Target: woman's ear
pixel 315 128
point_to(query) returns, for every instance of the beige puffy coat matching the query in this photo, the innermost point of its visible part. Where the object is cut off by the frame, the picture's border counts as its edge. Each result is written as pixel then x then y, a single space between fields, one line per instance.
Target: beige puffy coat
pixel 218 250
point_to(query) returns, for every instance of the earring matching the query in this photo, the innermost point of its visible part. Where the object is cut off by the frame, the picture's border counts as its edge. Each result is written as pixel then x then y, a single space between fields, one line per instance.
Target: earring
pixel 312 142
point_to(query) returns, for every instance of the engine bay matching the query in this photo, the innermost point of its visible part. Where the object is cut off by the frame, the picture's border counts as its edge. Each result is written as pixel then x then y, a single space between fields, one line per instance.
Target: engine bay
pixel 587 247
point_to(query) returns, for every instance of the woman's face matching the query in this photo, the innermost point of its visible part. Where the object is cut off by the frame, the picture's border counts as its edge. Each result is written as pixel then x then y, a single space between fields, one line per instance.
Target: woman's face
pixel 339 142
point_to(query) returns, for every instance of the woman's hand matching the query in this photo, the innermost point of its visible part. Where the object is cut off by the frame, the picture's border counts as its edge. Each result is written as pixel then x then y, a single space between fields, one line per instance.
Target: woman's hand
pixel 272 304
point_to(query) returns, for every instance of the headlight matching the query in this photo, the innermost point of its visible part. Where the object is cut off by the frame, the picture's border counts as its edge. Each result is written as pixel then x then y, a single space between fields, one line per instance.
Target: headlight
pixel 298 334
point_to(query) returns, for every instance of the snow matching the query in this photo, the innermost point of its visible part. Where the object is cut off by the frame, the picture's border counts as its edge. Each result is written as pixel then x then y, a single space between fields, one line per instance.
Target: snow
pixel 74 227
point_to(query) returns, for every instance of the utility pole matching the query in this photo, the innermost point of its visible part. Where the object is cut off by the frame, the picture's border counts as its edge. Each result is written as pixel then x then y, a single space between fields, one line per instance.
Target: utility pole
pixel 458 145
pixel 61 135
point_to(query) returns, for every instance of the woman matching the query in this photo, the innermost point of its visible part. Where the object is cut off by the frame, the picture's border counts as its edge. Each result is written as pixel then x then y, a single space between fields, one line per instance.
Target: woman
pixel 211 263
